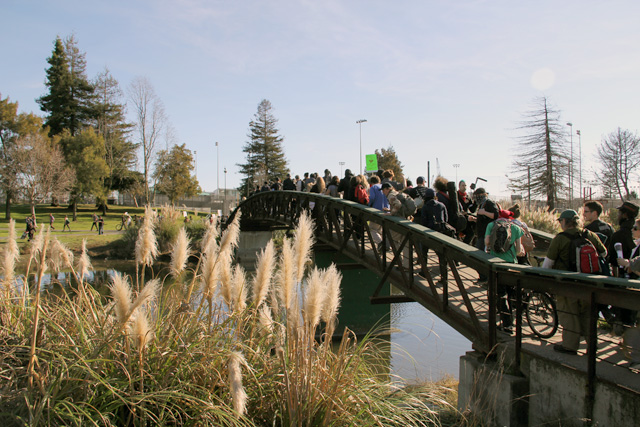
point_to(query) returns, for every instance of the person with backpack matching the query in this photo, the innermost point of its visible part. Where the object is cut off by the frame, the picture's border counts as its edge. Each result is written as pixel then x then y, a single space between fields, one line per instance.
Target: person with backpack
pixel 486 212
pixel 434 216
pixel 378 199
pixel 503 239
pixel 574 249
pixel 417 193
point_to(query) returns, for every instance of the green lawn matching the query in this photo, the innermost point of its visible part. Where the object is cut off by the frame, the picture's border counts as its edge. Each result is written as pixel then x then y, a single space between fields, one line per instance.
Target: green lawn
pixel 80 229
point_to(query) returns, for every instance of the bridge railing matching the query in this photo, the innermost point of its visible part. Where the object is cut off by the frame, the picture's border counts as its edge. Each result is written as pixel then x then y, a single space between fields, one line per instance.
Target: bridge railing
pixel 441 273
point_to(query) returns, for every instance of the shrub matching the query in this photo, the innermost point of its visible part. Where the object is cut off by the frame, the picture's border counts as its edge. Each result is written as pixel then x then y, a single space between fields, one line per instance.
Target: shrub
pixel 197 350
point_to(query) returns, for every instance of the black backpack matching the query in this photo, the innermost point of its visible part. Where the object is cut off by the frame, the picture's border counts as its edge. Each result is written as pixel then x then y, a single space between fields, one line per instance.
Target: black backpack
pixel 583 255
pixel 500 237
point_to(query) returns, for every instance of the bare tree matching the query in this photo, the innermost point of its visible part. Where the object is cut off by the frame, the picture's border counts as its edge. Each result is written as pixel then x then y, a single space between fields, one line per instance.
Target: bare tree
pixel 42 172
pixel 150 122
pixel 541 158
pixel 619 158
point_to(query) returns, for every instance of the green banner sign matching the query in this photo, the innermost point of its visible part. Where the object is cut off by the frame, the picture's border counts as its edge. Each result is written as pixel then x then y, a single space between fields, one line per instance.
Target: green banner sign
pixel 372 163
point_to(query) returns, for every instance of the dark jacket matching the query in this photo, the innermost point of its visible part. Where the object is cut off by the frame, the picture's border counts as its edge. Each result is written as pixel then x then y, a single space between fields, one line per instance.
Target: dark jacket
pixel 288 185
pixel 434 214
pixel 601 227
pixel 625 237
pixel 344 185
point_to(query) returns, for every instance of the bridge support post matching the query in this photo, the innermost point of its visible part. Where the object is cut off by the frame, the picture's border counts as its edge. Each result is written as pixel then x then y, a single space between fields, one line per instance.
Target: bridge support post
pixel 491 394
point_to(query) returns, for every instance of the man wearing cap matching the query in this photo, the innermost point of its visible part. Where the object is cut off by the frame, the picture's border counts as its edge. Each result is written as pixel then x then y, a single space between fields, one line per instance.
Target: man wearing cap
pixel 573 313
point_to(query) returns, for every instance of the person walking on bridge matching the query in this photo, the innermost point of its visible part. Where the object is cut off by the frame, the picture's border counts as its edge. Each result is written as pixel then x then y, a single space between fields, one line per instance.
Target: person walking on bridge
pixel 573 313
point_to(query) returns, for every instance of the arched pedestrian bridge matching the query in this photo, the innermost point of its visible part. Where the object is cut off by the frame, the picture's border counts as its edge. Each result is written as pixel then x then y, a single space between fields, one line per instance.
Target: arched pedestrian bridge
pixel 528 383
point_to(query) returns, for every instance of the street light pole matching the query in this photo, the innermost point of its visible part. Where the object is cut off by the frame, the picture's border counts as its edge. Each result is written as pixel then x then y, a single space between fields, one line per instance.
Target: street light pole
pixel 456 165
pixel 341 165
pixel 218 166
pixel 571 167
pixel 225 188
pixel 360 122
pixel 580 162
pixel 195 155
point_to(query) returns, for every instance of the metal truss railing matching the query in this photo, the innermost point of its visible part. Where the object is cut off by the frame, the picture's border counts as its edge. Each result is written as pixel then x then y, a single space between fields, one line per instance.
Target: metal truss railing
pixel 440 272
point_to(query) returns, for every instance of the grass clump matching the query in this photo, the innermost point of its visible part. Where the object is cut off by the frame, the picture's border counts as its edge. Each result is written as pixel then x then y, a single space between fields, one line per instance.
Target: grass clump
pixel 210 347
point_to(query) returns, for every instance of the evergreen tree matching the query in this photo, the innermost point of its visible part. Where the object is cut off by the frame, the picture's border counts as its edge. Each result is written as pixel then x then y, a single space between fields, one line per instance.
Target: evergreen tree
pixel 265 155
pixel 174 173
pixel 85 152
pixel 70 98
pixel 111 124
pixel 388 159
pixel 541 158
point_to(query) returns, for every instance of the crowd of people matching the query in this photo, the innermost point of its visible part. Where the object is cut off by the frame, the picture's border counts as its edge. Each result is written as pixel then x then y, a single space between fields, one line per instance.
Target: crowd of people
pixel 479 221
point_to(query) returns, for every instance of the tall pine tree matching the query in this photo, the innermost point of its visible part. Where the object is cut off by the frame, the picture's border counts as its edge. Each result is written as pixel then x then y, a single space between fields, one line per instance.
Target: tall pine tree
pixel 69 103
pixel 110 123
pixel 265 155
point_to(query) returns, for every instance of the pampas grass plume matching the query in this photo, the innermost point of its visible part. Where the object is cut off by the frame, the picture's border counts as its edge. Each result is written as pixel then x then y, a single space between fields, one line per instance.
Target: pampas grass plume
pixel 303 242
pixel 148 294
pixel 84 263
pixel 180 253
pixel 10 256
pixel 147 243
pixel 264 272
pixel 210 273
pixel 236 360
pixel 231 235
pixel 226 278
pixel 140 329
pixel 331 278
pixel 121 293
pixel 313 298
pixel 287 275
pixel 239 288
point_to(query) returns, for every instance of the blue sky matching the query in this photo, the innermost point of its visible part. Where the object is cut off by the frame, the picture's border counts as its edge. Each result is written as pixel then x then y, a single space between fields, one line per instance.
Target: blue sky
pixel 445 80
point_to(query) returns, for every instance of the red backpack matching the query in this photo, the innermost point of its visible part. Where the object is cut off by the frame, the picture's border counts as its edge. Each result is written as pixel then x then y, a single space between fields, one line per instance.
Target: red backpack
pixel 362 196
pixel 583 255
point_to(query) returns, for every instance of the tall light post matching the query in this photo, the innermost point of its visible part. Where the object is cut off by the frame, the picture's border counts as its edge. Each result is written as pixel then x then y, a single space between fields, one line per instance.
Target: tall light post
pixel 225 188
pixel 218 167
pixel 195 156
pixel 580 162
pixel 571 166
pixel 360 122
pixel 341 165
pixel 456 165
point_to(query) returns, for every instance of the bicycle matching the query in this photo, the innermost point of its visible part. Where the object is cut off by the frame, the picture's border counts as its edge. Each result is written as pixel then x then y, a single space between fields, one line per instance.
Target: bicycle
pixel 540 310
pixel 120 226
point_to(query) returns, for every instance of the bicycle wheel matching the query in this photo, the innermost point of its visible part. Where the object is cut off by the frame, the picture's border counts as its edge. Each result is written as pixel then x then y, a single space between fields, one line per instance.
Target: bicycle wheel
pixel 542 315
pixel 119 227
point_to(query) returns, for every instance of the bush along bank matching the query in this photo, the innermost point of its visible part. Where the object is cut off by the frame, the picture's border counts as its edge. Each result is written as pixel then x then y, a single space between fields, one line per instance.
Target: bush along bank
pixel 212 347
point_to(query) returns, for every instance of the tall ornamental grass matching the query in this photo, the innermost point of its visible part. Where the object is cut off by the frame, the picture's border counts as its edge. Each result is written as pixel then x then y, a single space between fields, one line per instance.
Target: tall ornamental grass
pixel 212 346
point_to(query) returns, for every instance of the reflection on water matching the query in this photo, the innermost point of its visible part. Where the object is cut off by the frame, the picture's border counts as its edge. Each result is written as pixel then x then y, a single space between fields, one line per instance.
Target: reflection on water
pixel 425 347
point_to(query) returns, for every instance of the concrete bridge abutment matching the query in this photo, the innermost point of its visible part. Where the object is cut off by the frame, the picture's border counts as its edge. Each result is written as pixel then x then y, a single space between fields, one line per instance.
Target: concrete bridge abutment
pixel 550 391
